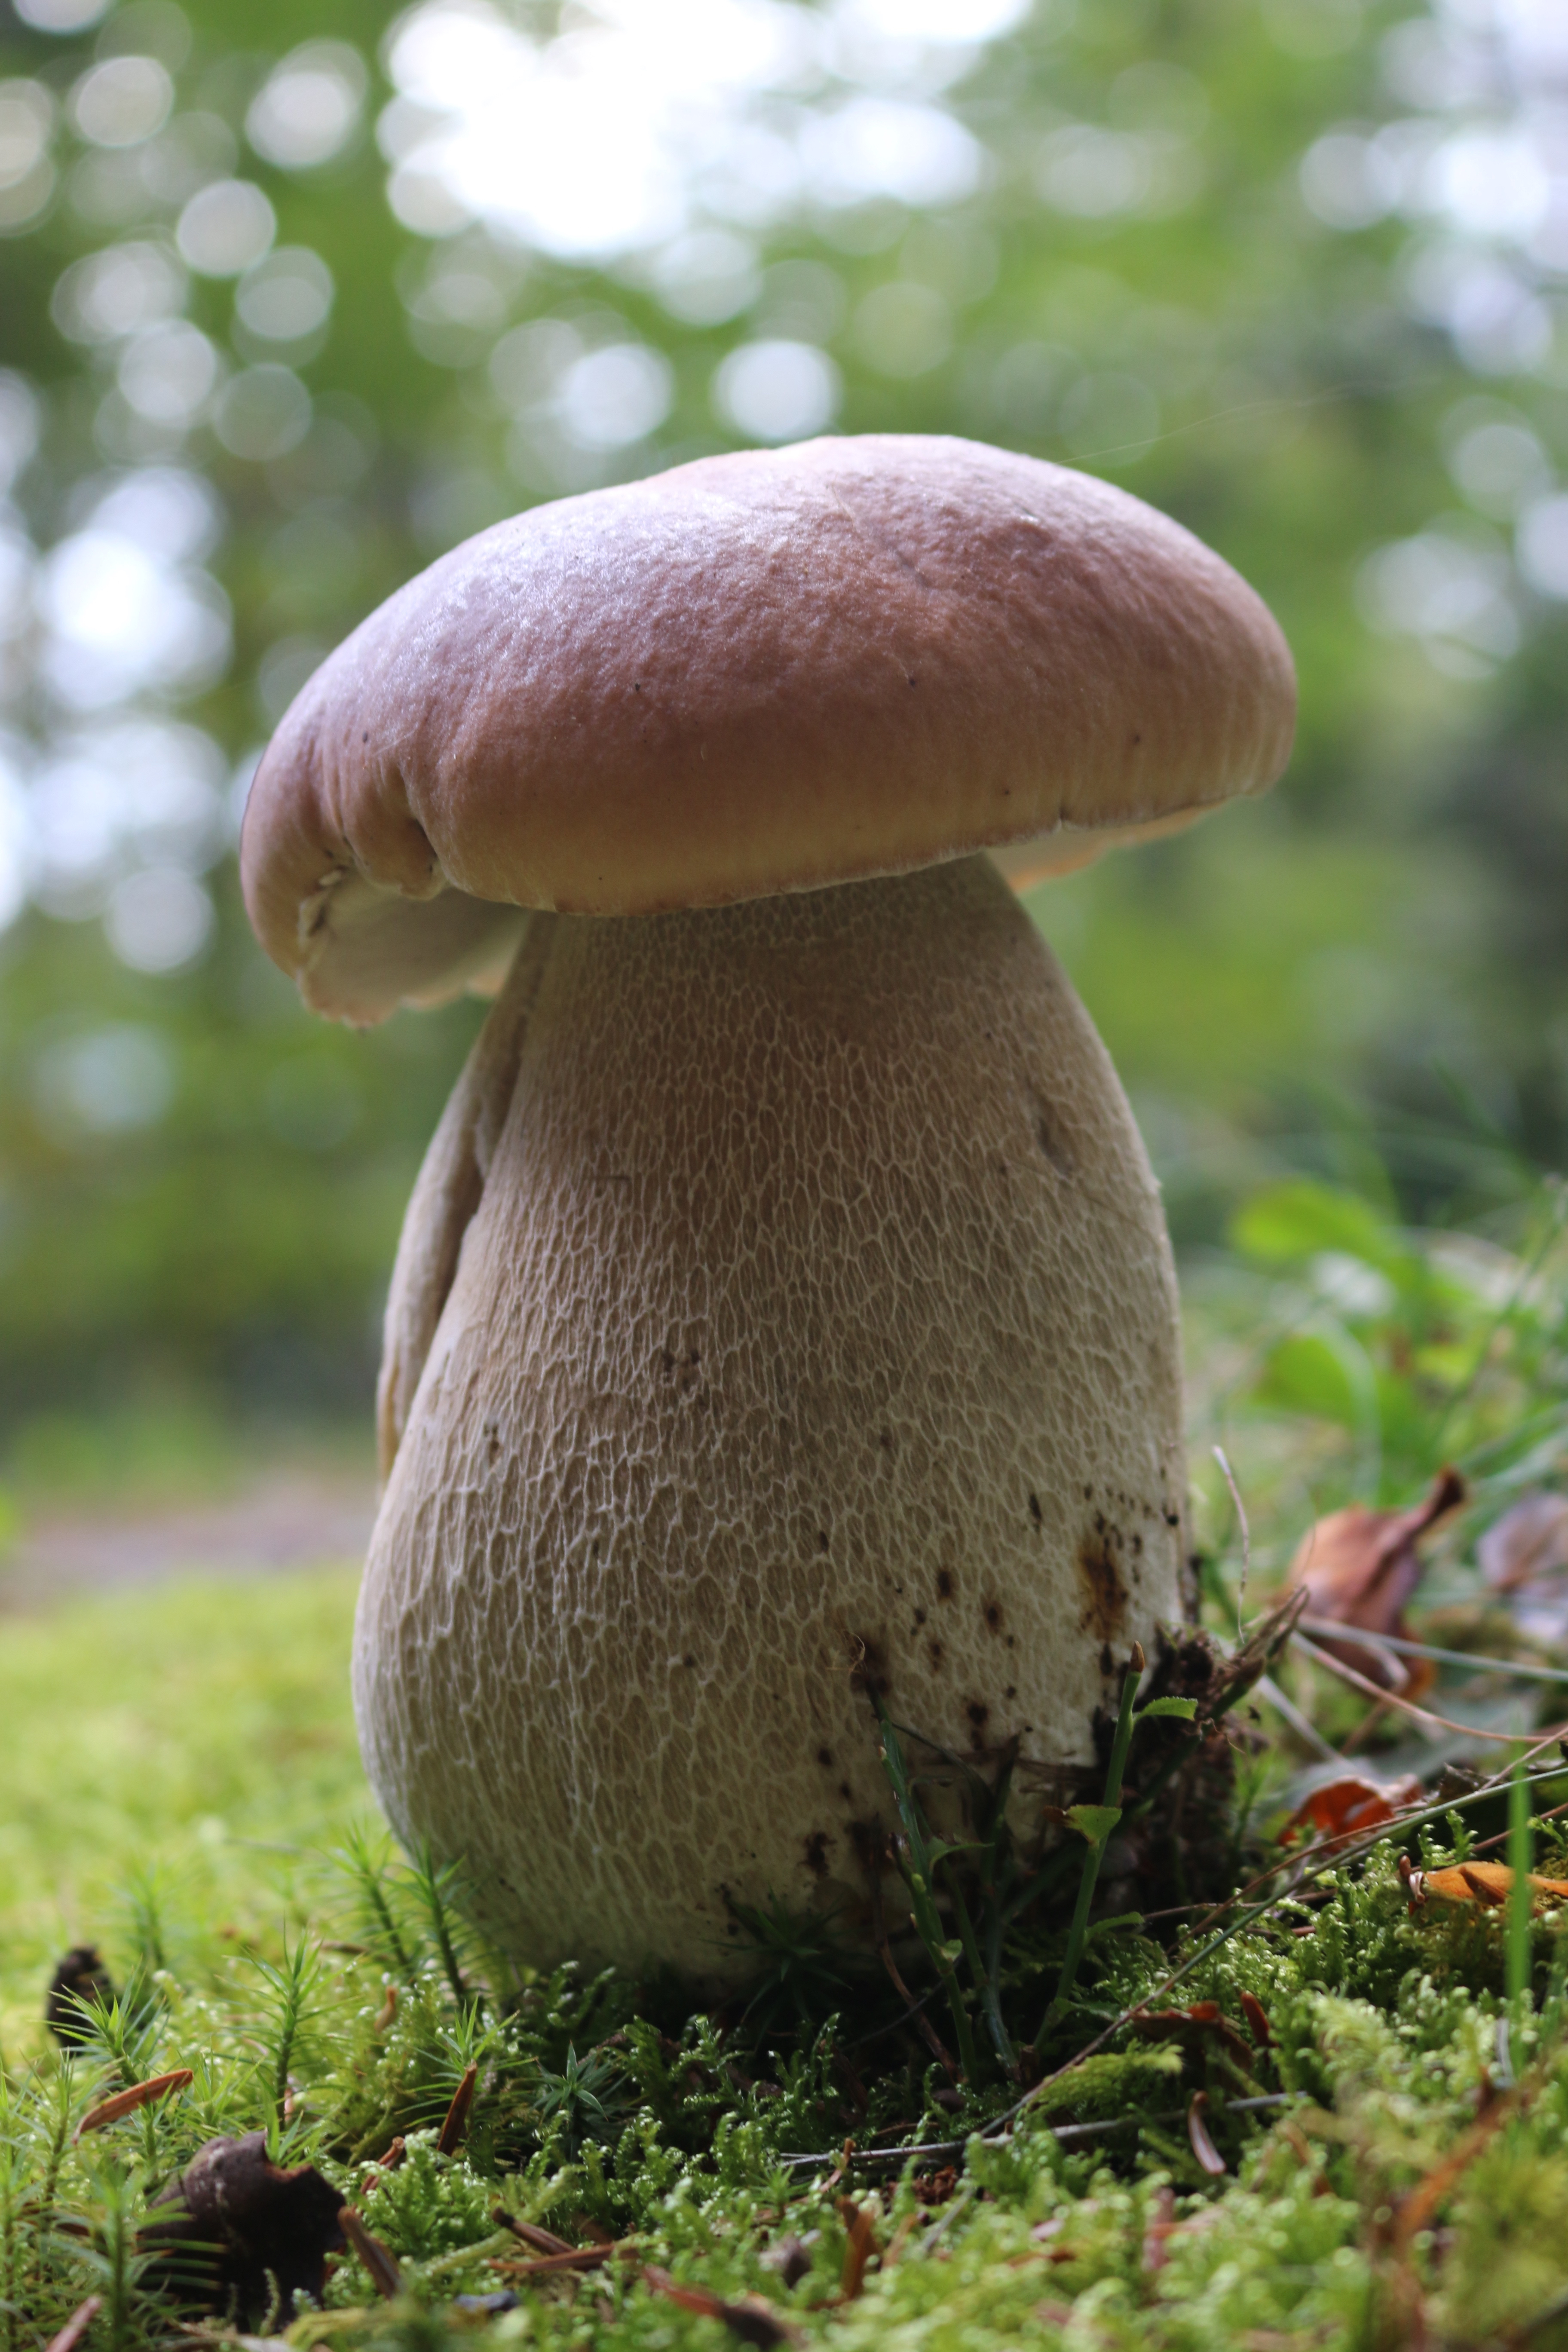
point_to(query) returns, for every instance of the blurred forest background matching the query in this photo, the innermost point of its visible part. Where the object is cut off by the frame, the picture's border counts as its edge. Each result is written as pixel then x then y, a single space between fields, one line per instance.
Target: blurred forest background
pixel 295 294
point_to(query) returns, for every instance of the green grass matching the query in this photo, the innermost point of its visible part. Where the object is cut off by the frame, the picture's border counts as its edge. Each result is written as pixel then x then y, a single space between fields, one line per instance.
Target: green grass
pixel 182 1788
pixel 171 1728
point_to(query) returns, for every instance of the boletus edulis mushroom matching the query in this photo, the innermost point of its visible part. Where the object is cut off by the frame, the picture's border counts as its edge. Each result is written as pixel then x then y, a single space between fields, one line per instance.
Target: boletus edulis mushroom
pixel 785 1312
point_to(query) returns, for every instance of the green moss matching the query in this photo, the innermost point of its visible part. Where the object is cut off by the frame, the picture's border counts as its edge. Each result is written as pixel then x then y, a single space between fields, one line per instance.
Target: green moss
pixel 182 1786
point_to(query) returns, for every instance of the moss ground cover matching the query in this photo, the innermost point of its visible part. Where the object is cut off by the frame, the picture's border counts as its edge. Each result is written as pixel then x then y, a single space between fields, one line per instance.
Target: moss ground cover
pixel 603 2161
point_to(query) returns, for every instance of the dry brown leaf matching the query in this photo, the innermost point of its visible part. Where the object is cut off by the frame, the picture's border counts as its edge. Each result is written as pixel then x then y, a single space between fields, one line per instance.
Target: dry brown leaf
pixel 1488 1883
pixel 386 2273
pixel 749 2317
pixel 1203 2020
pixel 1528 1541
pixel 1359 1567
pixel 141 2094
pixel 1524 1558
pixel 455 2128
pixel 1198 2136
pixel 1257 2018
pixel 1352 1802
pixel 861 2224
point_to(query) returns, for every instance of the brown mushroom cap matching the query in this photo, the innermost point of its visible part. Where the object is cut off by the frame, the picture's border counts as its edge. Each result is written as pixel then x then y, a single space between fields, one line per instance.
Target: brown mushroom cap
pixel 757 673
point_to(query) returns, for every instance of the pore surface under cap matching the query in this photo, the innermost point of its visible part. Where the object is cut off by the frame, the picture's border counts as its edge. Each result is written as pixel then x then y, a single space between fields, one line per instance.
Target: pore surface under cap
pixel 762 672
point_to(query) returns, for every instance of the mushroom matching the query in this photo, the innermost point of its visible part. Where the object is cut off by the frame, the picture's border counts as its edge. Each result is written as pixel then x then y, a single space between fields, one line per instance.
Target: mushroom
pixel 785 1313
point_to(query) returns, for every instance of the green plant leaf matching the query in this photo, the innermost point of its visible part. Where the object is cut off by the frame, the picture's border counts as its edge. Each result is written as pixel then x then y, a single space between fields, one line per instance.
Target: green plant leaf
pixel 1094 1822
pixel 1185 1709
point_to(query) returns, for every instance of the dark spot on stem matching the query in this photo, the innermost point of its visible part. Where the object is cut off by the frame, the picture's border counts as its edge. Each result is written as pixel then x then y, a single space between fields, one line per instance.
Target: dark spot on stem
pixel 1035 1513
pixel 945 1586
pixel 816 1847
pixel 1100 1571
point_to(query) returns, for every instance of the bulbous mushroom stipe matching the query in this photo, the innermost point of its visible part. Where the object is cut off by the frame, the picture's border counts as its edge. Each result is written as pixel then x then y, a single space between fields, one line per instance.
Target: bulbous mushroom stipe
pixel 784 1311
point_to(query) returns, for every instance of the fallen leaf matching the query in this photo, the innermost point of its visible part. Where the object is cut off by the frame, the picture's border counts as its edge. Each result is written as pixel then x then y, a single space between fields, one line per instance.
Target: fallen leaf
pixel 1205 2020
pixel 1488 1883
pixel 386 2273
pixel 1528 1541
pixel 1524 1558
pixel 747 2317
pixel 1198 2139
pixel 1350 1802
pixel 1359 1567
pixel 455 2129
pixel 1257 2018
pixel 140 2095
pixel 861 2222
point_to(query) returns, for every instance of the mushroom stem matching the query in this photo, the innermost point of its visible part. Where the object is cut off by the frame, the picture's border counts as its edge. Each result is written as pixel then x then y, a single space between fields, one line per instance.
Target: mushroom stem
pixel 786 1319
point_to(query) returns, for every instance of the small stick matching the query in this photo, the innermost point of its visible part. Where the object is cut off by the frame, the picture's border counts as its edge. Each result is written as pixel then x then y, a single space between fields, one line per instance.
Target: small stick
pixel 544 2242
pixel 1330 1628
pixel 1305 1729
pixel 1406 1707
pixel 576 2258
pixel 77 2326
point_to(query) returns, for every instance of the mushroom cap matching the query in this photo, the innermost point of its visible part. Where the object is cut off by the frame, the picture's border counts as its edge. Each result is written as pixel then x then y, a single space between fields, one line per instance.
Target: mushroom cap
pixel 757 673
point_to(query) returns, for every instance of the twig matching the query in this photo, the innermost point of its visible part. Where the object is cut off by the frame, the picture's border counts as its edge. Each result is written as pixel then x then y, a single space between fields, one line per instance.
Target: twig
pixel 1405 1707
pixel 1335 1632
pixel 1229 1476
pixel 1069 2134
pixel 1301 1725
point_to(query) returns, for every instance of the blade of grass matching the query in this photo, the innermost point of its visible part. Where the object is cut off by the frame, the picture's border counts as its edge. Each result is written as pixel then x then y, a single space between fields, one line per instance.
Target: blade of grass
pixel 1520 1845
pixel 918 1878
pixel 1089 1873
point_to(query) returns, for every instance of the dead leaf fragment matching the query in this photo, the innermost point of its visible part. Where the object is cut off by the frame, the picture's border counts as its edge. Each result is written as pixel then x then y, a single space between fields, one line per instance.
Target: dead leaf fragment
pixel 1350 1802
pixel 1489 1883
pixel 1205 2021
pixel 1361 1567
pixel 1257 2018
pixel 386 2274
pixel 747 2317
pixel 1198 2136
pixel 1524 1558
pixel 455 2129
pixel 861 2224
pixel 1528 1541
pixel 140 2095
